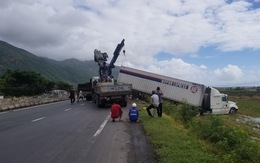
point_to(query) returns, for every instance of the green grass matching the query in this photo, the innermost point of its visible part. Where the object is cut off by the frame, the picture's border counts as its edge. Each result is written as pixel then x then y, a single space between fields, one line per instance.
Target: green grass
pixel 248 106
pixel 173 143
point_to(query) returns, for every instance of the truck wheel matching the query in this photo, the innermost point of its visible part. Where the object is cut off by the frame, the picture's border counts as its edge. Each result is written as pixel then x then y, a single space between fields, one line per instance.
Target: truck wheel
pixel 88 98
pixel 232 111
pixel 93 99
pixel 124 104
pixel 98 102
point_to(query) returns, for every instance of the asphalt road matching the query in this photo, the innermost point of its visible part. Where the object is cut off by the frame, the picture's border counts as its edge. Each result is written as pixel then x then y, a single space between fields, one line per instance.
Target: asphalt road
pixel 71 133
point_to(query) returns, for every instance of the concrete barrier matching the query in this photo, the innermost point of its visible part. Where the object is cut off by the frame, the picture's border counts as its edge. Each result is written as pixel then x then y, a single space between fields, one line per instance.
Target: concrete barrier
pixel 20 102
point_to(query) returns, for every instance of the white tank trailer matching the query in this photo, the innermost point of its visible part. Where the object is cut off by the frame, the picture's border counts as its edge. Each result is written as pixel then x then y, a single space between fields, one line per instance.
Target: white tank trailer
pixel 180 91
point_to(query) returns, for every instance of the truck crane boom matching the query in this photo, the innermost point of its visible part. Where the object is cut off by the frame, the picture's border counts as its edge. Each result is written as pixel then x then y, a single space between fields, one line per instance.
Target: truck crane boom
pixel 116 54
pixel 105 71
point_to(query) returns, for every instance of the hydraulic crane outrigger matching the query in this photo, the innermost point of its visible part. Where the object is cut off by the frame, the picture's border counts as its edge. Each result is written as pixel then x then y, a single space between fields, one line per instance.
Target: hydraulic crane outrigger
pixel 105 71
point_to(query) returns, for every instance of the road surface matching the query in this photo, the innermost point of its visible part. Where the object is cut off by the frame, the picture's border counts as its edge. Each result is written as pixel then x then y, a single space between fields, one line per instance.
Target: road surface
pixel 71 133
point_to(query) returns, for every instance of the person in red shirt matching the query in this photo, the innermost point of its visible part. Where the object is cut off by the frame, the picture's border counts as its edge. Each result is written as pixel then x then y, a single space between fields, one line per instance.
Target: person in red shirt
pixel 116 112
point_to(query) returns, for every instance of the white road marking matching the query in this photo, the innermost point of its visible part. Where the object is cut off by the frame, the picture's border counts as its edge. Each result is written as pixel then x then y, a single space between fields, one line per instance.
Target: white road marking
pixel 36 106
pixel 101 126
pixel 4 112
pixel 82 104
pixel 38 119
pixel 67 109
pixel 25 108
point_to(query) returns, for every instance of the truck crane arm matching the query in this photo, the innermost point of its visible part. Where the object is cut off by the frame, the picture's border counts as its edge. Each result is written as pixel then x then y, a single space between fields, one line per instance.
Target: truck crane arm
pixel 105 71
pixel 116 54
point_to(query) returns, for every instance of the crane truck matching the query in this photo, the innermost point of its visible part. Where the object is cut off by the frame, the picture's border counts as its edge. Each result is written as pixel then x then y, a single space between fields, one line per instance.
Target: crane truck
pixel 104 90
pixel 180 91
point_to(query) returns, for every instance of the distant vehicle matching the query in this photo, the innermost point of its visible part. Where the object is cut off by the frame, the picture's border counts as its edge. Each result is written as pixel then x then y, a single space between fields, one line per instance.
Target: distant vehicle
pixel 207 98
pixel 86 89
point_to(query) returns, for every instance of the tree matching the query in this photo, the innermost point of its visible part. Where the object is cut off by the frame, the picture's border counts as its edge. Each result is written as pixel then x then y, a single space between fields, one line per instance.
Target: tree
pixel 25 83
pixel 64 86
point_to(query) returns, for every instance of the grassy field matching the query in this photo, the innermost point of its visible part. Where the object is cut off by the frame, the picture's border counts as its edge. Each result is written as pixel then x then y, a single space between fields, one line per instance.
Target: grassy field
pixel 248 108
pixel 247 105
pixel 173 141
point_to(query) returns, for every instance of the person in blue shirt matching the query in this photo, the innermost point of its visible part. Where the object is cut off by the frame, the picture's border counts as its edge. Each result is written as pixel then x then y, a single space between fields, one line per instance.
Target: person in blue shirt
pixel 133 113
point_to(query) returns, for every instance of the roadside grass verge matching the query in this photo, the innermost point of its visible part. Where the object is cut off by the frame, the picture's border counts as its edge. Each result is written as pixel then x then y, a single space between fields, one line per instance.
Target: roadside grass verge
pixel 180 136
pixel 174 143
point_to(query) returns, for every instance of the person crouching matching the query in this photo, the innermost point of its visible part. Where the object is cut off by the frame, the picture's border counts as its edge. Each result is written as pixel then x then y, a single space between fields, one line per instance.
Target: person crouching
pixel 133 113
pixel 116 112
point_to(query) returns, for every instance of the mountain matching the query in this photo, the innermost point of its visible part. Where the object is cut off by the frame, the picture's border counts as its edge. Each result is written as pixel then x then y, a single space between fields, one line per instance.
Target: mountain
pixel 71 70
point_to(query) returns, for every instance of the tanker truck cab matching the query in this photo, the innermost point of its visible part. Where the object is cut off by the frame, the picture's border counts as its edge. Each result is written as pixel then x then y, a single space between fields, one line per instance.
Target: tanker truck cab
pixel 219 103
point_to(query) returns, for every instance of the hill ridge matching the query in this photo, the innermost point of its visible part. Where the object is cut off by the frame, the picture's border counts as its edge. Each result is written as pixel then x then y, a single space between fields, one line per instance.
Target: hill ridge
pixel 72 71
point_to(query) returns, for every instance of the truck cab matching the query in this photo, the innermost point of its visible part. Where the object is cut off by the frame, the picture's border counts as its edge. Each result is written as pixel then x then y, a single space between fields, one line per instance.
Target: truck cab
pixel 219 103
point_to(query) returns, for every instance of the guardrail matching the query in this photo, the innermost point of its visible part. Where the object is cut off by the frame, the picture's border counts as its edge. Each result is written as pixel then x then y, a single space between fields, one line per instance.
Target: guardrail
pixel 20 102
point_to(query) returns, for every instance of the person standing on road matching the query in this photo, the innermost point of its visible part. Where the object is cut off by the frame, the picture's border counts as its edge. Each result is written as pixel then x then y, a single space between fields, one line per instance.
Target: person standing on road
pixel 154 103
pixel 133 113
pixel 80 96
pixel 72 96
pixel 116 112
pixel 160 94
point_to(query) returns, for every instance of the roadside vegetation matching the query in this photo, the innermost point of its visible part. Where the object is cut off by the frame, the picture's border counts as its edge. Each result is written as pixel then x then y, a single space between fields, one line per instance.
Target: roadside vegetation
pixel 182 136
pixel 248 105
pixel 27 83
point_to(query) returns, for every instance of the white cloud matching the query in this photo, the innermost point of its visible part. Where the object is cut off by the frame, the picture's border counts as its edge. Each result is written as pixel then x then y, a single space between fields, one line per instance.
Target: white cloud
pixel 237 26
pixel 176 27
pixel 230 72
pixel 177 68
pixel 63 29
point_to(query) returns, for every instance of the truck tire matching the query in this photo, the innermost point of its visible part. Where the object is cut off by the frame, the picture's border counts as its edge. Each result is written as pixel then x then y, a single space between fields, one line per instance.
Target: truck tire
pixel 124 104
pixel 93 99
pixel 232 111
pixel 88 98
pixel 98 102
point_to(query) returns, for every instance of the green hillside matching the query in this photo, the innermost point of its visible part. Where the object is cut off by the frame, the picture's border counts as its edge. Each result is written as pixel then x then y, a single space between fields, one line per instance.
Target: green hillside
pixel 72 70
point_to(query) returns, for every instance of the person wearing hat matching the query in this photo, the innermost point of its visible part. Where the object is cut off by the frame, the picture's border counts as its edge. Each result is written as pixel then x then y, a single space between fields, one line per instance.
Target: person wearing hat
pixel 133 113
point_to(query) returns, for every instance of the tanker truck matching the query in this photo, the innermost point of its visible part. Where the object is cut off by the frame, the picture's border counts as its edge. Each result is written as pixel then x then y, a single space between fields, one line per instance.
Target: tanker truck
pixel 179 91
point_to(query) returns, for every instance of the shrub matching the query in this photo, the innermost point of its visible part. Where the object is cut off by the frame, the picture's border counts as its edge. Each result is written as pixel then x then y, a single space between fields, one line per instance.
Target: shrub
pixel 234 145
pixel 169 108
pixel 186 113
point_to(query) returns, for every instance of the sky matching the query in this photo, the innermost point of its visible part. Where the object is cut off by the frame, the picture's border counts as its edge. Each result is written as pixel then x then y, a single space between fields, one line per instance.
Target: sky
pixel 211 42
